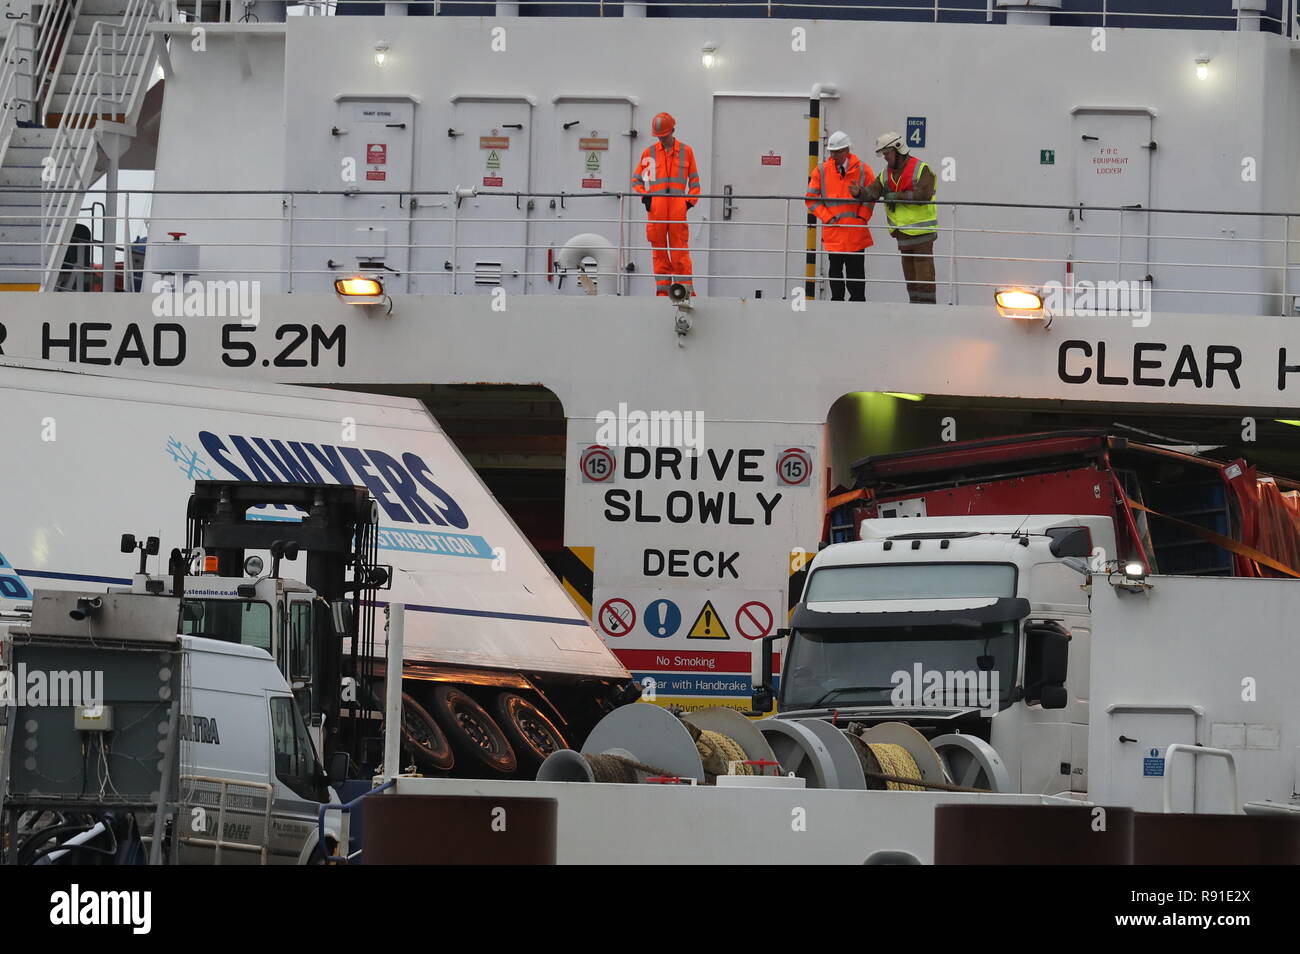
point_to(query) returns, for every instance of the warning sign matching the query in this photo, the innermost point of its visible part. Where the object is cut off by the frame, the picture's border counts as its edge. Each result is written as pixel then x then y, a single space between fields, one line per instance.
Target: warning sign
pixel 591 183
pixel 376 153
pixel 376 175
pixel 707 625
pixel 754 620
pixel 494 142
pixel 662 618
pixel 587 145
pixel 494 160
pixel 616 617
pixel 493 182
pixel 770 160
pixel 593 162
pixel 597 464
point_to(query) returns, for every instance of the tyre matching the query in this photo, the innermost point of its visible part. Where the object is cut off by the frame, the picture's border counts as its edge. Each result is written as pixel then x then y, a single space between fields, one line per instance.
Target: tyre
pixel 532 734
pixel 421 735
pixel 472 730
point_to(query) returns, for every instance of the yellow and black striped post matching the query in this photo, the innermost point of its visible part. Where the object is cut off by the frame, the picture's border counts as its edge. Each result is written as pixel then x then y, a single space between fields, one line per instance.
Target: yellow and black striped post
pixel 814 153
pixel 578 573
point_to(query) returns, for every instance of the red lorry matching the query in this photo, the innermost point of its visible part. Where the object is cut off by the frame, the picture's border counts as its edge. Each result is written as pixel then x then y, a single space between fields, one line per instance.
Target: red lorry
pixel 1178 513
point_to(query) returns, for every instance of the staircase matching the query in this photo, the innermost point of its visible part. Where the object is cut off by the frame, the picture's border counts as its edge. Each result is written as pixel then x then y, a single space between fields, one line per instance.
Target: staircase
pixel 75 74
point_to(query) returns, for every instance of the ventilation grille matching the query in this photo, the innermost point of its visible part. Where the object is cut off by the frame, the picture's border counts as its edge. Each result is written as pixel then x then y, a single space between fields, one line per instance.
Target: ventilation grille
pixel 487 273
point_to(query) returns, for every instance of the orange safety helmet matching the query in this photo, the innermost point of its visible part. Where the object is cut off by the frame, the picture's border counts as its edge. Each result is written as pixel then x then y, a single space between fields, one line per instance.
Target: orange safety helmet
pixel 663 125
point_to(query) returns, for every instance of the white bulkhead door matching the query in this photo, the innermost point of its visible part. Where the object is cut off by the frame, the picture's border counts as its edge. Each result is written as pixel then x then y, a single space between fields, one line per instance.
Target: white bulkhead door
pixel 373 161
pixel 491 154
pixel 591 152
pixel 1112 167
pixel 760 147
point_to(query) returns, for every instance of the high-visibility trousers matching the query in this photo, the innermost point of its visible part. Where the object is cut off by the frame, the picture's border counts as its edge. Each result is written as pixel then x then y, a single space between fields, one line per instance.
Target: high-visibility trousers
pixel 670 242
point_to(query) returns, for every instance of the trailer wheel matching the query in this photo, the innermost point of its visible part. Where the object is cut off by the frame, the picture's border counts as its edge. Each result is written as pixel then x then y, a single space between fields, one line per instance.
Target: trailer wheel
pixel 423 737
pixel 472 730
pixel 533 735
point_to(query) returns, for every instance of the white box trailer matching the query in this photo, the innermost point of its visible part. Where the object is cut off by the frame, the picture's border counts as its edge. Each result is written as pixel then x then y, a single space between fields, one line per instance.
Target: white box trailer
pixel 90 456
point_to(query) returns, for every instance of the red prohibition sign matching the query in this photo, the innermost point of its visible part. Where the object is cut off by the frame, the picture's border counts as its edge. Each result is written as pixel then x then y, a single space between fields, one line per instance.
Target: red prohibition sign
pixel 799 462
pixel 597 463
pixel 754 620
pixel 617 616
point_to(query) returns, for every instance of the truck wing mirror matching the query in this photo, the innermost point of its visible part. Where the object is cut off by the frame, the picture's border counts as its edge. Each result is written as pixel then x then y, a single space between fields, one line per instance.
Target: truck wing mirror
pixel 1047 657
pixel 1054 697
pixel 762 696
pixel 1070 542
pixel 340 763
pixel 341 617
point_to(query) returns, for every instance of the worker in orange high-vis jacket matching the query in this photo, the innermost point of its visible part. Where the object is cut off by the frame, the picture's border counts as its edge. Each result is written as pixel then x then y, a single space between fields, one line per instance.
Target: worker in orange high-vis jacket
pixel 667 180
pixel 845 232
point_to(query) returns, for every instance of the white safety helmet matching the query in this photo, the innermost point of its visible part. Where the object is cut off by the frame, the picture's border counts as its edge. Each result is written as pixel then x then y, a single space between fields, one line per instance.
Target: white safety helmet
pixel 839 140
pixel 891 140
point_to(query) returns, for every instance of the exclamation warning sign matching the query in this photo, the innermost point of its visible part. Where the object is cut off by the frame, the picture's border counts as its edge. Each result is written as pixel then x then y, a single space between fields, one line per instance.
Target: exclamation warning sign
pixel 708 625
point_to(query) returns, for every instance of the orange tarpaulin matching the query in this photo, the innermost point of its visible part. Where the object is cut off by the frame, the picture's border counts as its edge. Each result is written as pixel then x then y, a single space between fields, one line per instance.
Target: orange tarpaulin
pixel 1270 519
pixel 1277 525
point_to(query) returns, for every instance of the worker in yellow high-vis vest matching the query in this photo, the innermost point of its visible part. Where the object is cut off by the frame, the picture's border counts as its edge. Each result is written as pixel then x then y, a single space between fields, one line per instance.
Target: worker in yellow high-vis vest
pixel 907 186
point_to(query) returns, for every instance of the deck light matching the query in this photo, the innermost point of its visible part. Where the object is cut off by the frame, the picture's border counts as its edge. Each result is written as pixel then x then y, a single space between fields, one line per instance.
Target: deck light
pixel 1202 67
pixel 381 53
pixel 359 290
pixel 1019 303
pixel 1132 578
pixel 709 55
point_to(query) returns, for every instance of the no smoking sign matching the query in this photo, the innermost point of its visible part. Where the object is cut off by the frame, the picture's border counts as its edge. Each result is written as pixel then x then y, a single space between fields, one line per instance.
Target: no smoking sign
pixel 616 617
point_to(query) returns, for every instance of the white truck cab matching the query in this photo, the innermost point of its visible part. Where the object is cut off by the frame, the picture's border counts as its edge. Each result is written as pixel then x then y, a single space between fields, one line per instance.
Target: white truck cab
pixel 268 613
pixel 244 743
pixel 970 625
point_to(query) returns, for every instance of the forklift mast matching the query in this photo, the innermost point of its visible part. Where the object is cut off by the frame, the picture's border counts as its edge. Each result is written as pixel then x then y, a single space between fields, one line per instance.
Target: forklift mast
pixel 338 534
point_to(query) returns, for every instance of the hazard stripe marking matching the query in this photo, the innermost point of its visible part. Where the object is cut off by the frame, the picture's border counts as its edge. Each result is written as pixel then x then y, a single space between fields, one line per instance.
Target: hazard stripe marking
pixel 577 574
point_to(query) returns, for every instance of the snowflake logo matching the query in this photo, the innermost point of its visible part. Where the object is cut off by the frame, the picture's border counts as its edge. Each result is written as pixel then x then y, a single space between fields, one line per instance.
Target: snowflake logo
pixel 191 464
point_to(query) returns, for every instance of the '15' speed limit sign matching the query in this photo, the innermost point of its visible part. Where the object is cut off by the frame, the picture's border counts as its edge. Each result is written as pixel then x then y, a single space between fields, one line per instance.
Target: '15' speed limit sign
pixel 597 464
pixel 794 466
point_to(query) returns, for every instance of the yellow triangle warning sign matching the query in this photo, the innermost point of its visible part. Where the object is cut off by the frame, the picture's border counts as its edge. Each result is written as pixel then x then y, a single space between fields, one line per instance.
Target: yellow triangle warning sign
pixel 708 625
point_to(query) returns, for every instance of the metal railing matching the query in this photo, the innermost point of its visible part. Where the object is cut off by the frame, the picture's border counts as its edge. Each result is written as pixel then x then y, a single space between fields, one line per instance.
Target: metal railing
pixel 1098 12
pixel 345 810
pixel 21 88
pixel 115 65
pixel 218 840
pixel 1177 259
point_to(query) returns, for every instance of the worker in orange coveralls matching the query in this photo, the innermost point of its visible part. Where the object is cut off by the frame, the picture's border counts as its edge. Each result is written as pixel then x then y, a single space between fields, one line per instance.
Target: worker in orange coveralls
pixel 667 179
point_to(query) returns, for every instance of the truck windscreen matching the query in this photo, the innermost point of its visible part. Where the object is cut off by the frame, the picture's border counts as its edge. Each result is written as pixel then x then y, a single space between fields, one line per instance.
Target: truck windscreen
pixel 235 621
pixel 907 666
pixel 910 581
